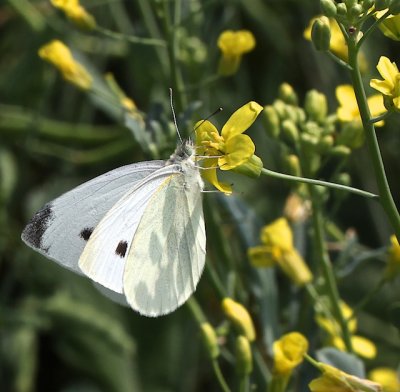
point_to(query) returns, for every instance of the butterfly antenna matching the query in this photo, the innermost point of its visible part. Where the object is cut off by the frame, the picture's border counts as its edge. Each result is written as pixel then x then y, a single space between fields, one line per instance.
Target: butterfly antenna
pixel 173 114
pixel 208 117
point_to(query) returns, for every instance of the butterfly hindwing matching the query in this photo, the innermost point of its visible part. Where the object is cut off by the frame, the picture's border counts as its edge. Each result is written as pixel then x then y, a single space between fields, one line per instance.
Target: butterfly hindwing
pixel 103 258
pixel 167 254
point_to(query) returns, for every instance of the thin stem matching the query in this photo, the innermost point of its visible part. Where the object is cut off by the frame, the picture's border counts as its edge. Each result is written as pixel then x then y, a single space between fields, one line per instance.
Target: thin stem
pixel 385 195
pixel 371 29
pixel 244 383
pixel 332 185
pixel 339 60
pixel 326 266
pixel 380 118
pixel 131 38
pixel 220 377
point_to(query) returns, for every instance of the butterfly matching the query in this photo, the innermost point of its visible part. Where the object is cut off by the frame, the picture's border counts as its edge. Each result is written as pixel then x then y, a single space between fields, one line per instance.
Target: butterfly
pixel 137 231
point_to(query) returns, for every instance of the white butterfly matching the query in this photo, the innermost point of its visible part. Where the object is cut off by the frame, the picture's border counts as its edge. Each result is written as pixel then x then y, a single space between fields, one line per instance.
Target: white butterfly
pixel 137 230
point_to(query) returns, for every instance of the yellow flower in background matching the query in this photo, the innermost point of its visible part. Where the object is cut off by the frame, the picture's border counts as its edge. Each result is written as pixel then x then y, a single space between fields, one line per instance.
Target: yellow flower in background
pixel 289 352
pixel 60 56
pixel 75 12
pixel 390 85
pixel 277 248
pixel 348 109
pixel 233 44
pixel 387 377
pixel 239 315
pixel 362 346
pixel 335 380
pixel 393 266
pixel 230 149
pixel 337 44
pixel 390 27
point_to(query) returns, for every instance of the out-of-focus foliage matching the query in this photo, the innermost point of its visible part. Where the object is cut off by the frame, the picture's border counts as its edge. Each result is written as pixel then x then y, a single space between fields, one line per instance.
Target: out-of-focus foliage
pixel 57 331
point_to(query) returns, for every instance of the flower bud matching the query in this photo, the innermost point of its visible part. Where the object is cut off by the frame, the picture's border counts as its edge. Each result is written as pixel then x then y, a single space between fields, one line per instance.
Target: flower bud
pixel 244 359
pixel 251 168
pixel 356 11
pixel 367 4
pixel 280 108
pixel 287 94
pixel 325 143
pixel 321 34
pixel 290 131
pixel 293 165
pixel 210 340
pixel 328 8
pixel 341 9
pixel 240 317
pixel 343 179
pixel 340 151
pixel 316 105
pixel 381 4
pixel 350 3
pixel 352 135
pixel 271 122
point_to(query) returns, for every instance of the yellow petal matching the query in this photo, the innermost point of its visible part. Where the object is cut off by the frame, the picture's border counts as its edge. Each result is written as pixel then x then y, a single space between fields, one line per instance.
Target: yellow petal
pixel 240 316
pixel 238 149
pixel 209 173
pixel 294 266
pixel 376 106
pixel 241 120
pixel 278 234
pixel 382 86
pixel 234 43
pixel 387 377
pixel 261 256
pixel 388 70
pixel 205 131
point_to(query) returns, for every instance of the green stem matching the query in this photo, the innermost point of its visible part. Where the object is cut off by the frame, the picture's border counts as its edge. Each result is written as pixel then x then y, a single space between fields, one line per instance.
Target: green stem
pixel 325 264
pixel 339 61
pixel 385 195
pixel 371 29
pixel 332 185
pixel 244 383
pixel 380 118
pixel 220 377
pixel 130 38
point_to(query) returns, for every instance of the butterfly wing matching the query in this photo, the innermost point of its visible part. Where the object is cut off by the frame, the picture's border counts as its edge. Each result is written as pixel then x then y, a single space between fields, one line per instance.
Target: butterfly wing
pixel 103 258
pixel 61 229
pixel 167 255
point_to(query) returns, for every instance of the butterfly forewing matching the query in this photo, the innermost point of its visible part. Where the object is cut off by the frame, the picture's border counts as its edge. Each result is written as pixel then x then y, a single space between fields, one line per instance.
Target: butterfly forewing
pixel 167 255
pixel 61 229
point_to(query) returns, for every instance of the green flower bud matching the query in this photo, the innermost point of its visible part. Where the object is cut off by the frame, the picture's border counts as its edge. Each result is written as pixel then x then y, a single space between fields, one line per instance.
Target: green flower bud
pixel 271 121
pixel 343 179
pixel 293 165
pixel 341 9
pixel 309 141
pixel 287 94
pixel 325 143
pixel 395 7
pixel 210 340
pixel 300 115
pixel 244 358
pixel 251 168
pixel 290 131
pixel 312 129
pixel 321 34
pixel 356 11
pixel 340 151
pixel 350 3
pixel 367 4
pixel 328 8
pixel 381 4
pixel 280 108
pixel 352 135
pixel 316 105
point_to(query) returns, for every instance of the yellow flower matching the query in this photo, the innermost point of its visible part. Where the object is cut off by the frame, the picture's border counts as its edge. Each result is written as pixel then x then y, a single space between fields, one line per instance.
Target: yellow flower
pixel 387 377
pixel 362 346
pixel 337 44
pixel 239 315
pixel 60 56
pixel 277 248
pixel 390 85
pixel 233 44
pixel 390 27
pixel 334 380
pixel 232 149
pixel 331 326
pixel 75 12
pixel 348 108
pixel 289 352
pixel 393 266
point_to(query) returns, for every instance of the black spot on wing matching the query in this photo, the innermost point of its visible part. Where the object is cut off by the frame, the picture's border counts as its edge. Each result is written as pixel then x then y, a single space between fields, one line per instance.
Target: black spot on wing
pixel 37 226
pixel 86 233
pixel 121 249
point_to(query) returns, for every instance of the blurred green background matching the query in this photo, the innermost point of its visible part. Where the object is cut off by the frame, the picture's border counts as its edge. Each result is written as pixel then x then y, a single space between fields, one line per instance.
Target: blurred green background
pixel 58 333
